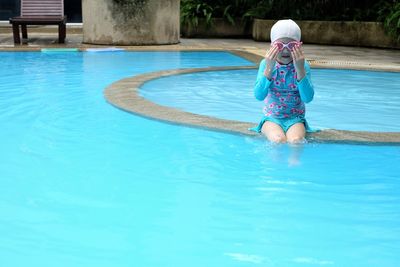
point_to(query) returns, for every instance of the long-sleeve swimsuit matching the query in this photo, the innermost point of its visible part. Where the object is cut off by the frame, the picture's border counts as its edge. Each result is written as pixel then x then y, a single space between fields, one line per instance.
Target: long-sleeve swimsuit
pixel 283 95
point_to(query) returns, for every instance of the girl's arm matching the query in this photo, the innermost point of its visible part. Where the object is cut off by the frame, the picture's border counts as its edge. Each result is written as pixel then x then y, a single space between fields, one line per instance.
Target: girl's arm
pixel 262 83
pixel 305 86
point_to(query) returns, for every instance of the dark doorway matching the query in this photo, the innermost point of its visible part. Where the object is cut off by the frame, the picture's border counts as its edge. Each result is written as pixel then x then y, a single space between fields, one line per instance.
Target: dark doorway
pixel 8 8
pixel 73 10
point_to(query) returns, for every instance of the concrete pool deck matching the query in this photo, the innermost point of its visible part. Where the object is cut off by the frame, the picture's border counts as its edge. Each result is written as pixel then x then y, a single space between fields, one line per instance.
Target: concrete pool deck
pixel 124 93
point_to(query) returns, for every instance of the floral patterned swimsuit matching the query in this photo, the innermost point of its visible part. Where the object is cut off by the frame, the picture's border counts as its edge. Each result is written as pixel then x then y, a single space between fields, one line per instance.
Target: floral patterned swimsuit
pixel 283 100
pixel 283 95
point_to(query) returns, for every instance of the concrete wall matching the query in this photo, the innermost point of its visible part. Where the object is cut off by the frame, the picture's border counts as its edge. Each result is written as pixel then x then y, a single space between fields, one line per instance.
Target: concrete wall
pixel 369 34
pixel 105 22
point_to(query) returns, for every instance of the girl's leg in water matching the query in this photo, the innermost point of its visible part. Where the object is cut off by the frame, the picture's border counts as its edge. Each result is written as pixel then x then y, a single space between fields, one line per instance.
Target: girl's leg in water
pixel 296 137
pixel 273 132
pixel 296 133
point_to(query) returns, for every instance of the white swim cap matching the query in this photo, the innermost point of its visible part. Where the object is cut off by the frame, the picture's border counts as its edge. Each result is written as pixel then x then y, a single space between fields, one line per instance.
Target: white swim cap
pixel 285 28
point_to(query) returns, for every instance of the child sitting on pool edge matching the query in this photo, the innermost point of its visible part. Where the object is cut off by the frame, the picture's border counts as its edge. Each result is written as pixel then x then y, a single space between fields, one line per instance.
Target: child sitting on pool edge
pixel 284 84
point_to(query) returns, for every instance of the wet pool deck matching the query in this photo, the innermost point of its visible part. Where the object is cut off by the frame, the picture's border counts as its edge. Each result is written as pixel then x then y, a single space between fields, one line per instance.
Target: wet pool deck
pixel 124 93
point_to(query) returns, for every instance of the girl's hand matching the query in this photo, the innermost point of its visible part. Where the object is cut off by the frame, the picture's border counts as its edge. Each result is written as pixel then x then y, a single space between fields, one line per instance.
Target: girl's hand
pixel 298 61
pixel 270 59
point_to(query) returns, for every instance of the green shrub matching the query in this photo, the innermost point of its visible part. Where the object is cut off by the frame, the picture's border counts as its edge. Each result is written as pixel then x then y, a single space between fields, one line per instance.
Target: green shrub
pixel 386 11
pixel 389 12
pixel 328 10
pixel 193 10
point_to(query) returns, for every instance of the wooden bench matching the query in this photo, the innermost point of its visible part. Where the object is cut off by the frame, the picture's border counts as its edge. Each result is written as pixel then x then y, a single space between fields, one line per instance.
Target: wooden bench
pixel 40 12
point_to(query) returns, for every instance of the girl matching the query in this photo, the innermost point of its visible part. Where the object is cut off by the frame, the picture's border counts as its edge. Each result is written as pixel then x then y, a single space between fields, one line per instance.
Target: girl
pixel 284 83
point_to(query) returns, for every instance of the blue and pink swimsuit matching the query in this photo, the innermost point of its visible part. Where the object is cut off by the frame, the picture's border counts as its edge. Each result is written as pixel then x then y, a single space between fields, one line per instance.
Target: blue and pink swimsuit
pixel 283 95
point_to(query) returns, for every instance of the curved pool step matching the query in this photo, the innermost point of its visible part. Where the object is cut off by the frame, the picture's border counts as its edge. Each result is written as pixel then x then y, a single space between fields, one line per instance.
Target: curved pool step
pixel 124 94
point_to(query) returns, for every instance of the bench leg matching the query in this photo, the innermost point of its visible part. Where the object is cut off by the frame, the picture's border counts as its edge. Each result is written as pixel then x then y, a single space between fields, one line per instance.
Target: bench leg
pixel 17 39
pixel 62 33
pixel 24 32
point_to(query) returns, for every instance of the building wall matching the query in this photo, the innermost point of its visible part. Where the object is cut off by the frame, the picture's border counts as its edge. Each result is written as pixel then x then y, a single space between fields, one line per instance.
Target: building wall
pixel 72 8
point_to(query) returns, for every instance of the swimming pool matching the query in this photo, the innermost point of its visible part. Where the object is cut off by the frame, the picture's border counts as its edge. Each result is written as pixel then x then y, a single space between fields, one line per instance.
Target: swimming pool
pixel 345 99
pixel 84 184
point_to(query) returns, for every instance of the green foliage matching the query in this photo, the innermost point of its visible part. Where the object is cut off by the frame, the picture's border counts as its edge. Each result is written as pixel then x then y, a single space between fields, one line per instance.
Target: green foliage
pixel 193 10
pixel 327 10
pixel 389 13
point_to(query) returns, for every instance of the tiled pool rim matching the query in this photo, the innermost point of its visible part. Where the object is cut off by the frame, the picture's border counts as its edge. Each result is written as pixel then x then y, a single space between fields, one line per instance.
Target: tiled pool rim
pixel 124 94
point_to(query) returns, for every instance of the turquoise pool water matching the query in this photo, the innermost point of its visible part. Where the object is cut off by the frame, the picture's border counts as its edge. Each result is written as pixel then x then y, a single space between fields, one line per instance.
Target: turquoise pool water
pixel 344 99
pixel 85 184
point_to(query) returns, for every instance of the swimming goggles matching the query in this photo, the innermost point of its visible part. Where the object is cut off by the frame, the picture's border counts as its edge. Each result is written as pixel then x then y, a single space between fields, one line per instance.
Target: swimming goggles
pixel 289 45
